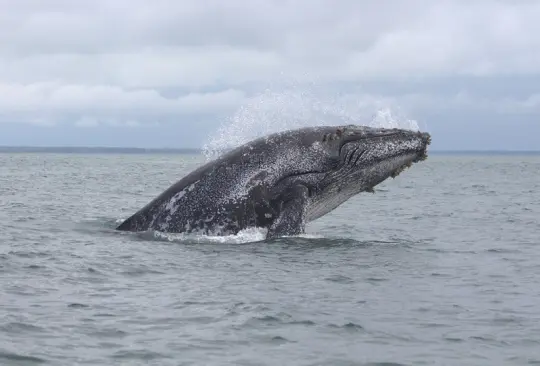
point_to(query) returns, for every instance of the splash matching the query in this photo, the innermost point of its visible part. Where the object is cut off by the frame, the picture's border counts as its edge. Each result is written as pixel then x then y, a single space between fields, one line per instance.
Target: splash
pixel 249 235
pixel 296 105
pixel 388 118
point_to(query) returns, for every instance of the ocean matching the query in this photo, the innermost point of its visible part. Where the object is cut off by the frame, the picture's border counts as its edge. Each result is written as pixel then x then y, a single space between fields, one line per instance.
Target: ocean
pixel 440 266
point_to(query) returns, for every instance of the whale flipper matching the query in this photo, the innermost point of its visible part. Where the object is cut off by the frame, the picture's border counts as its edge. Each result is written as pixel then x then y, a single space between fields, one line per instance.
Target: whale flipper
pixel 292 214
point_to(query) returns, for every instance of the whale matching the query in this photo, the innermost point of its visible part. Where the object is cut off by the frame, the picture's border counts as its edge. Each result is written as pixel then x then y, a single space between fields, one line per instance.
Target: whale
pixel 282 181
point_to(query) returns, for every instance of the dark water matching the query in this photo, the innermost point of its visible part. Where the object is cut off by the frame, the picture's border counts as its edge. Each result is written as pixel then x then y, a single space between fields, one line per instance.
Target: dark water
pixel 440 267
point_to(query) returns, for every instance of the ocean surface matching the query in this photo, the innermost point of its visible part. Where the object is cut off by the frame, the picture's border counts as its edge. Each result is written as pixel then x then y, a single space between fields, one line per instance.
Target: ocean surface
pixel 440 267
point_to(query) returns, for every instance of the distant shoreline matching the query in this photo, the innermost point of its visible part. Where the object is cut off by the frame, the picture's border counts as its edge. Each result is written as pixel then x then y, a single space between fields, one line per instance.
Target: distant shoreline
pixel 194 151
pixel 96 150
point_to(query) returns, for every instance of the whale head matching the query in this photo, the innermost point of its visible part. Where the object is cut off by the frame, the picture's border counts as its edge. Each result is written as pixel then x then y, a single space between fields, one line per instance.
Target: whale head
pixel 362 157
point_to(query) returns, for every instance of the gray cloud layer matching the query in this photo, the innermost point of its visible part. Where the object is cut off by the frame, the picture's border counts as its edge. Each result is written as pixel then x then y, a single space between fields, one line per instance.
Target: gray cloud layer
pixel 91 63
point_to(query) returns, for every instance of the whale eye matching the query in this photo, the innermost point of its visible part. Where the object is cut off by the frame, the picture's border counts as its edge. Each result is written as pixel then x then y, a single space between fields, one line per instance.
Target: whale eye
pixel 333 136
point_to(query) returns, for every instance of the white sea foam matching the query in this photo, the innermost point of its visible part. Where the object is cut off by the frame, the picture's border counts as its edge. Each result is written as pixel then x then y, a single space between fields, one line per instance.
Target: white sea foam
pixel 244 236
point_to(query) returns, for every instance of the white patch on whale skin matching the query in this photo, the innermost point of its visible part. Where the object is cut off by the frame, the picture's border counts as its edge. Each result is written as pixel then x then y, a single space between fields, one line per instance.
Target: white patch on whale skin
pixel 172 205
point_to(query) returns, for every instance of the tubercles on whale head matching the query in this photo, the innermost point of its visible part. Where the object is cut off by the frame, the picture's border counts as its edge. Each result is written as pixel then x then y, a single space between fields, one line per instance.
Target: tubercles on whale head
pixel 367 155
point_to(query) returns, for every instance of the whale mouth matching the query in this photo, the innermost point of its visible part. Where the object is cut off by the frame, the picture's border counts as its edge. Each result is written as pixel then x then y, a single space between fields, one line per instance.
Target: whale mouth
pixel 422 153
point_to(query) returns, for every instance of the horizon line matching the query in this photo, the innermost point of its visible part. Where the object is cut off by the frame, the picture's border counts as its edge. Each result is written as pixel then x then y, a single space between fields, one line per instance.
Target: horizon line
pixel 83 148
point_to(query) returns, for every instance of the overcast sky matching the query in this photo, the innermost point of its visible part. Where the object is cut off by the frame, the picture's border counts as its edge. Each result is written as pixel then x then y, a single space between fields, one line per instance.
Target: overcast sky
pixel 170 73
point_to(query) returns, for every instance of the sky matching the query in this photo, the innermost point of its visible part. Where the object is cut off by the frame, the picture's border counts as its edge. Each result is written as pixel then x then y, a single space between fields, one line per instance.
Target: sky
pixel 189 73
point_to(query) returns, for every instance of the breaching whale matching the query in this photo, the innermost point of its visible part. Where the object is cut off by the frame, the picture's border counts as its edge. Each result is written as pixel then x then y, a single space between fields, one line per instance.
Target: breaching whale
pixel 281 181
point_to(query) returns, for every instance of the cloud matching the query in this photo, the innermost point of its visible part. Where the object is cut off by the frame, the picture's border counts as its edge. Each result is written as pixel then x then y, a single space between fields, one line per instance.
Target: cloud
pixel 90 105
pixel 137 62
pixel 202 43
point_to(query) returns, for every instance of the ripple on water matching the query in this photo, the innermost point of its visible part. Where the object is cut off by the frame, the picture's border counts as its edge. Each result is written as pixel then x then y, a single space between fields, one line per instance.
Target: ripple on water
pixel 21 328
pixel 16 358
pixel 349 327
pixel 141 354
pixel 340 279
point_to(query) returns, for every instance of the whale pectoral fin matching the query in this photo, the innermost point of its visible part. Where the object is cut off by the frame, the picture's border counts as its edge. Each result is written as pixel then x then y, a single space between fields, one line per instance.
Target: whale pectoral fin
pixel 264 212
pixel 291 218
